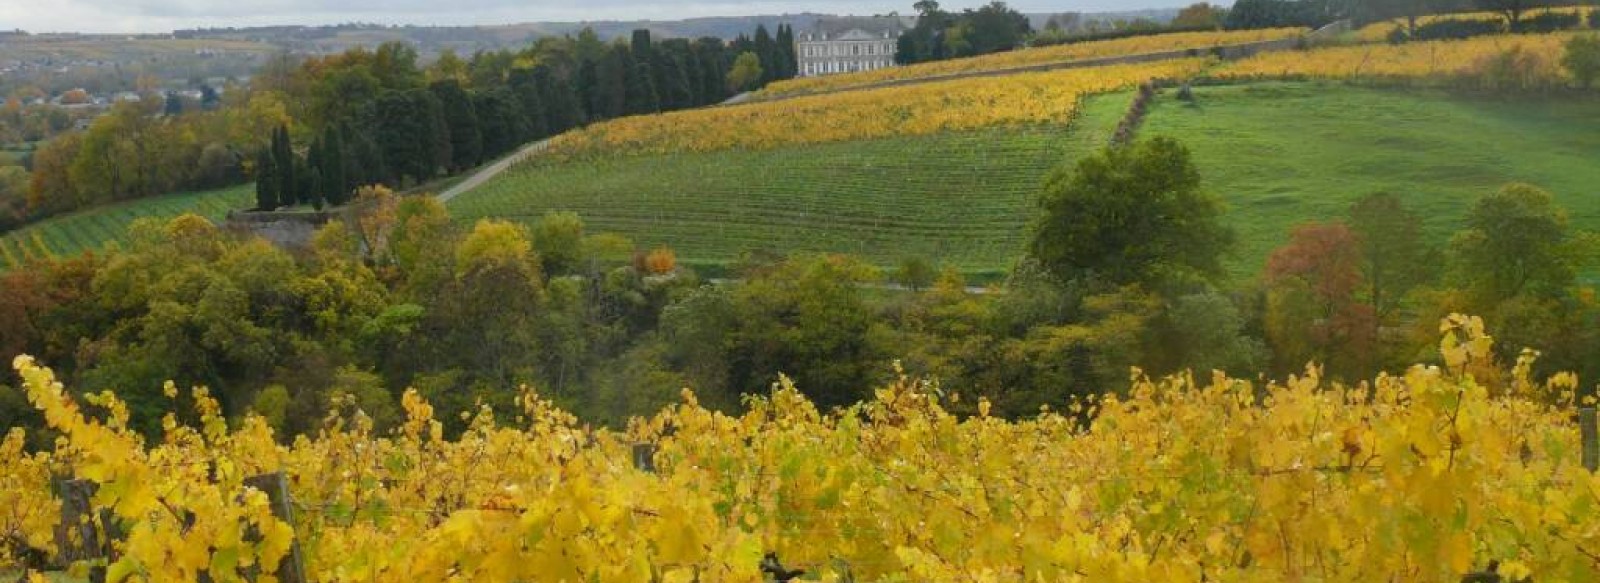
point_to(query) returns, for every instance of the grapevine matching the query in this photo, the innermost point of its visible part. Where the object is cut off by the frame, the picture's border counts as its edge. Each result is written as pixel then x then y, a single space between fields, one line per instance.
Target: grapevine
pixel 1421 476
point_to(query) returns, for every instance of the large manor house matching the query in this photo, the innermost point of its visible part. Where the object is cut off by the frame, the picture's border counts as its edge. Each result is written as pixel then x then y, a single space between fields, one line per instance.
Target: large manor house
pixel 848 46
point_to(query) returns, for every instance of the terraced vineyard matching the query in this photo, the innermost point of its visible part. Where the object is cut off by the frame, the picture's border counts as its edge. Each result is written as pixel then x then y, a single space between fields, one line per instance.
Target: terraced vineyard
pixel 92 229
pixel 961 198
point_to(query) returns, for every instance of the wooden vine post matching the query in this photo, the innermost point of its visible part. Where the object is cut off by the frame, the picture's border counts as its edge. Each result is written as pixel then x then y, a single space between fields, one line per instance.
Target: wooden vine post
pixel 292 568
pixel 1591 438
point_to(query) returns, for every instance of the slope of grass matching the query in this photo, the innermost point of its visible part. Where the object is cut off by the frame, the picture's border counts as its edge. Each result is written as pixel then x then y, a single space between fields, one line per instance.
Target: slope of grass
pixel 960 198
pixel 1280 154
pixel 92 229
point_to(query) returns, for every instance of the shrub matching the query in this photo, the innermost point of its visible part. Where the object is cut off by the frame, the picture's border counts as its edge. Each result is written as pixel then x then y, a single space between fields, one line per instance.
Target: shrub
pixel 1551 22
pixel 661 261
pixel 1582 59
pixel 1514 69
pixel 1594 18
pixel 1456 29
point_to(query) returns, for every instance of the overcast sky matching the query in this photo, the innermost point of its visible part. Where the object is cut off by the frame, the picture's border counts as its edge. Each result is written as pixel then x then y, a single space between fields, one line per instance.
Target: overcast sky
pixel 166 15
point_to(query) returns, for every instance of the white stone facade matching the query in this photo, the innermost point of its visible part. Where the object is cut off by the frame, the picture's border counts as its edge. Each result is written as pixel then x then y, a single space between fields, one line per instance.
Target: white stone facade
pixel 854 50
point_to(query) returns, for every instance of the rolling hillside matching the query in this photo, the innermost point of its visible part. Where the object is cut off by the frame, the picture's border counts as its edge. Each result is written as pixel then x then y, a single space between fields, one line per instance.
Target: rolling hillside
pixel 1284 153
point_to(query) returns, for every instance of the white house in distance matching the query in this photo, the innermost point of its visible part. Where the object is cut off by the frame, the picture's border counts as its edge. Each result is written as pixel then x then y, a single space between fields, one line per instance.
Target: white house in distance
pixel 858 46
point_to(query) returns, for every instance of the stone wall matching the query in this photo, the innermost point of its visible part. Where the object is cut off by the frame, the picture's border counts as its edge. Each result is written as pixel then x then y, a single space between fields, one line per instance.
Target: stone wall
pixel 289 229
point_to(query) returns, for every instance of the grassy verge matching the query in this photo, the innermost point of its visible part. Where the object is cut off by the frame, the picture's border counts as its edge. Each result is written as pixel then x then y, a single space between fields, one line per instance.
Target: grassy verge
pixel 1280 154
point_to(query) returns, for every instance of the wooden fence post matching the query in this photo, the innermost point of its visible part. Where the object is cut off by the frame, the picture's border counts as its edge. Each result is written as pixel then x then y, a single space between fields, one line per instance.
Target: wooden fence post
pixel 292 568
pixel 1591 438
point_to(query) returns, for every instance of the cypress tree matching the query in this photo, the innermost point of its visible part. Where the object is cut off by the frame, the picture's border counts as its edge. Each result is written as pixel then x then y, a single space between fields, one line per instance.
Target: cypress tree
pixel 674 89
pixel 531 98
pixel 641 92
pixel 767 50
pixel 562 110
pixel 609 99
pixel 284 166
pixel 588 79
pixel 334 166
pixel 315 190
pixel 641 48
pixel 789 64
pixel 714 69
pixel 436 133
pixel 302 172
pixel 693 73
pixel 266 180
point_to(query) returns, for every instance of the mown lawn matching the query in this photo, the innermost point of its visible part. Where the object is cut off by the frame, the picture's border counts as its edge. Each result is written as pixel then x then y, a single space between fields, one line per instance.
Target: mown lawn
pixel 962 199
pixel 1280 154
pixel 92 229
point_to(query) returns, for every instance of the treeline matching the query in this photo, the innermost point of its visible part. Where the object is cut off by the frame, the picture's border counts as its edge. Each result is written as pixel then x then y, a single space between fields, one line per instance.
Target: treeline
pixel 1314 13
pixel 940 35
pixel 313 130
pixel 146 148
pixel 1124 268
pixel 403 124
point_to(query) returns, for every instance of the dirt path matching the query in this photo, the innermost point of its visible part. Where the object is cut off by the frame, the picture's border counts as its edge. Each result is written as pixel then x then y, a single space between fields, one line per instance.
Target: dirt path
pixel 486 173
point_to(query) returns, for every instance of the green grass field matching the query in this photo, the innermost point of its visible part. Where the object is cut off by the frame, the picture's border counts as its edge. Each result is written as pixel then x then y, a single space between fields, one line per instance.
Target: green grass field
pixel 1280 154
pixel 72 234
pixel 961 199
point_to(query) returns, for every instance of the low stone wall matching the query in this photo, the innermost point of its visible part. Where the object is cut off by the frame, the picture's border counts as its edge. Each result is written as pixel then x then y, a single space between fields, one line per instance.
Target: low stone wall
pixel 290 229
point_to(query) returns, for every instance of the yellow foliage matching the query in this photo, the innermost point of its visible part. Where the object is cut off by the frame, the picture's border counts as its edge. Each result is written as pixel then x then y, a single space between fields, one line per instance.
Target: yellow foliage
pixel 965 104
pixel 1419 477
pixel 1379 31
pixel 1137 45
pixel 1431 61
pixel 661 261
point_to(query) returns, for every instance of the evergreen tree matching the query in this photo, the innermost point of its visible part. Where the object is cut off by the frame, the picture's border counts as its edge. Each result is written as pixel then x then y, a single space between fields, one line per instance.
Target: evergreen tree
pixel 266 181
pixel 316 185
pixel 335 167
pixel 402 133
pixel 531 97
pixel 302 188
pixel 788 64
pixel 693 73
pixel 562 109
pixel 714 65
pixel 766 50
pixel 587 85
pixel 504 124
pixel 609 99
pixel 642 50
pixel 283 164
pixel 172 104
pixel 674 86
pixel 466 136
pixel 641 95
pixel 438 133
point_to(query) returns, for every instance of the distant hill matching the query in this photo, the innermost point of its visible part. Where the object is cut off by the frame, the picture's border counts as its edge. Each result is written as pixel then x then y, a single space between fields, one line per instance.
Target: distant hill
pixel 431 39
